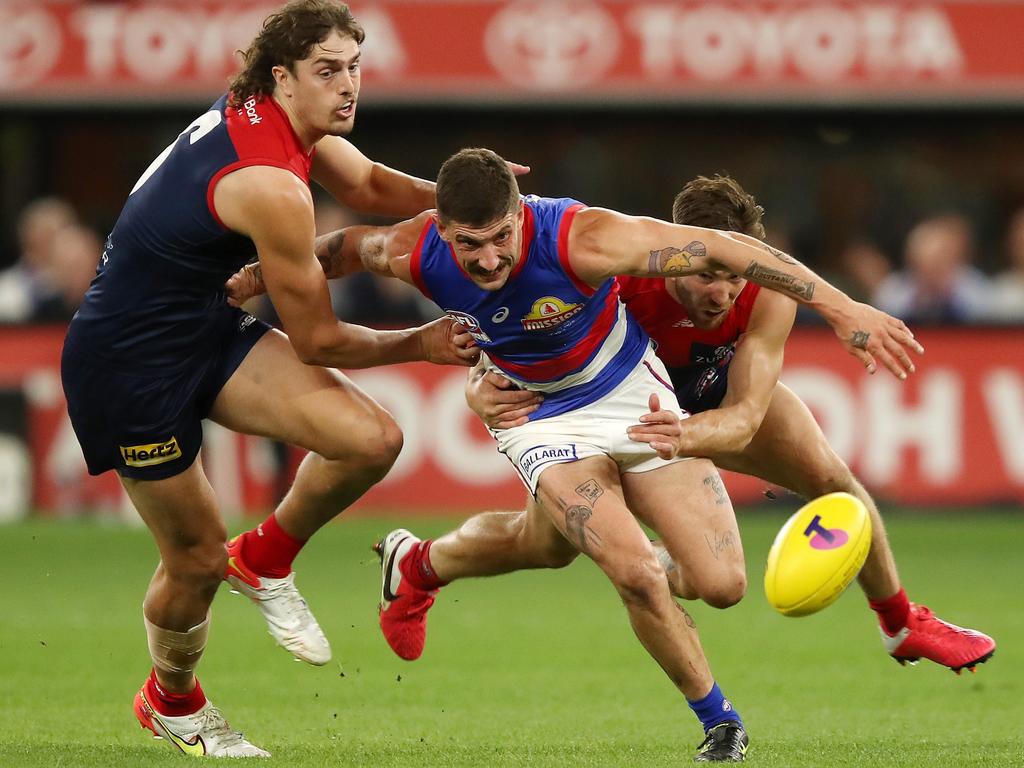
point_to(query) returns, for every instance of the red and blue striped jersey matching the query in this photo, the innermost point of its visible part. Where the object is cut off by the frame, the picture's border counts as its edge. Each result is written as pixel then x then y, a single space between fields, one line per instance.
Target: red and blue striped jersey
pixel 545 328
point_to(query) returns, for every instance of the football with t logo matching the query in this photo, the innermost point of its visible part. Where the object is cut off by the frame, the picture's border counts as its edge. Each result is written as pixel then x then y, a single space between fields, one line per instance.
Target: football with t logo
pixel 817 554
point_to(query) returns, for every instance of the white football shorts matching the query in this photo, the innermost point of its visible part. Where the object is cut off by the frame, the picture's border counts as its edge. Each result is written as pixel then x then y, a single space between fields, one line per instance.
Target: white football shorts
pixel 594 430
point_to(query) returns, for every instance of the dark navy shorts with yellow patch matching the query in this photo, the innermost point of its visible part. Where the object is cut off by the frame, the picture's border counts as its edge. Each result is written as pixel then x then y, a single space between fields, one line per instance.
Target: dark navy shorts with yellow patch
pixel 148 425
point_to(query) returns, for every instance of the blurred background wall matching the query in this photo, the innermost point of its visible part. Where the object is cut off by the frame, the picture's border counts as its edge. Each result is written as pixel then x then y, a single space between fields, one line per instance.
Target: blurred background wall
pixel 882 138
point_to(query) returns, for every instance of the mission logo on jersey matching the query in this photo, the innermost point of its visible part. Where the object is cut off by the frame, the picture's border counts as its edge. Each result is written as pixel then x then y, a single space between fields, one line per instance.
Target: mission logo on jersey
pixel 547 312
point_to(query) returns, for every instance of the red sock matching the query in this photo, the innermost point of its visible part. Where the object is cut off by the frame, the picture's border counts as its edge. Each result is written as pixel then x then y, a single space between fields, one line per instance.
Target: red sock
pixel 173 704
pixel 269 551
pixel 892 611
pixel 416 567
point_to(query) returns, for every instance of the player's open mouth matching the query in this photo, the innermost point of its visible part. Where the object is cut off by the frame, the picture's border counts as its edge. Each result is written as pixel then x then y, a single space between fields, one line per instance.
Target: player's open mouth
pixel 346 109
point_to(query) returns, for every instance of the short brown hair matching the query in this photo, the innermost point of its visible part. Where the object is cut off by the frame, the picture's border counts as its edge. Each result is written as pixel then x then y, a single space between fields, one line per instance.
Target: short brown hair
pixel 718 203
pixel 475 187
pixel 288 36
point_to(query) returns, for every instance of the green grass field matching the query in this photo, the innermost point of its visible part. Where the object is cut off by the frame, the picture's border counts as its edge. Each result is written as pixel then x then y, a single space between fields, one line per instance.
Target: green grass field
pixel 532 669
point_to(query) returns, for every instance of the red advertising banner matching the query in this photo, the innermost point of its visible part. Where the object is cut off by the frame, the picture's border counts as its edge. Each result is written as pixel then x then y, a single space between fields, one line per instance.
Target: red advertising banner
pixel 598 51
pixel 953 434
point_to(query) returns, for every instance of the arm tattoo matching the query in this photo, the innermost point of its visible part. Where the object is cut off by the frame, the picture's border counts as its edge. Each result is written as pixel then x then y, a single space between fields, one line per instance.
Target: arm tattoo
pixel 859 340
pixel 590 490
pixel 580 533
pixel 328 252
pixel 783 257
pixel 771 278
pixel 672 260
pixel 714 482
pixel 372 254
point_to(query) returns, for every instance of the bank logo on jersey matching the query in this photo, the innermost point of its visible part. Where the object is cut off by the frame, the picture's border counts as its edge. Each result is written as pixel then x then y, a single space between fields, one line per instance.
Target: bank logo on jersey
pixel 470 323
pixel 548 312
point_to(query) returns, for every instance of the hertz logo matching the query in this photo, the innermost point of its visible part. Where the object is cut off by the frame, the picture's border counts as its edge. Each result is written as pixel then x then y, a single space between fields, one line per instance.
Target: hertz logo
pixel 153 453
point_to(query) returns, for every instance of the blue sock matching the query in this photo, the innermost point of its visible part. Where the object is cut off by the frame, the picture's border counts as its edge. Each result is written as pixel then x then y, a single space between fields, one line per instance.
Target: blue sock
pixel 714 709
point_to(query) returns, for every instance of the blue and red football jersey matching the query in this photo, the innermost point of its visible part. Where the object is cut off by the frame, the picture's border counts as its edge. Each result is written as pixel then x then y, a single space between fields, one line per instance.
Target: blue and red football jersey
pixel 165 262
pixel 545 328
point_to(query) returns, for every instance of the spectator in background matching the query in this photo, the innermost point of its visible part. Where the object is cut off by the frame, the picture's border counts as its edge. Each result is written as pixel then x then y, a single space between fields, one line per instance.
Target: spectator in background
pixel 938 284
pixel 1008 293
pixel 29 288
pixel 862 268
pixel 76 250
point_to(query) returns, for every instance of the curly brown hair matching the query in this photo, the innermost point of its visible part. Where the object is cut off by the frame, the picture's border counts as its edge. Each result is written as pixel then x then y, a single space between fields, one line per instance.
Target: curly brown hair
pixel 718 203
pixel 288 36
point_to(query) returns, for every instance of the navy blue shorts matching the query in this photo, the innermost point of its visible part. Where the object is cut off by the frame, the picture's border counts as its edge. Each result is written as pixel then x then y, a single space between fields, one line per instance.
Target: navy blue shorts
pixel 147 424
pixel 701 390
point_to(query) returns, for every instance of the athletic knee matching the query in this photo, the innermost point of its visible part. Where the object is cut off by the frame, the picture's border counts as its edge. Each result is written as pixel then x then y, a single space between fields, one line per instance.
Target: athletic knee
pixel 198 566
pixel 640 581
pixel 556 555
pixel 726 590
pixel 547 547
pixel 374 446
pixel 827 477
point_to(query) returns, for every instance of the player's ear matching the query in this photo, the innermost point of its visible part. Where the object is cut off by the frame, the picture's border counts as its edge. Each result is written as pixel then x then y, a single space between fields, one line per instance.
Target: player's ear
pixel 283 77
pixel 441 228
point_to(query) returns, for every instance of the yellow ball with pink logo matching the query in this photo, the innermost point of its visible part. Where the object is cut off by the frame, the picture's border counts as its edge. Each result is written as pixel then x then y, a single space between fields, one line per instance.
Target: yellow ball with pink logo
pixel 816 554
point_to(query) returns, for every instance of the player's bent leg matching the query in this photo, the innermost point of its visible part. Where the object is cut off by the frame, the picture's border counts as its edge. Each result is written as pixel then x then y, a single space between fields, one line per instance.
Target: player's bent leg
pixel 181 512
pixel 598 522
pixel 586 502
pixel 790 450
pixel 700 546
pixel 487 544
pixel 493 543
pixel 352 443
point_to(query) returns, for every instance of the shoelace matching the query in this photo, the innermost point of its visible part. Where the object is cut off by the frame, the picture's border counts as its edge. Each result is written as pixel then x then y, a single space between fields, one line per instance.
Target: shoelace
pixel 214 724
pixel 924 615
pixel 295 607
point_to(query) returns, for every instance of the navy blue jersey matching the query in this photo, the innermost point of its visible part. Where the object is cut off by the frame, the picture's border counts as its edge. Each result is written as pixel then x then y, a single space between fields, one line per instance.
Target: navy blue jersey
pixel 163 269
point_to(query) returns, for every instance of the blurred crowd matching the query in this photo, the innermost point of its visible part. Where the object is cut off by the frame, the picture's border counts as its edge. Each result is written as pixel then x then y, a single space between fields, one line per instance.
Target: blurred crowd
pixel 935 279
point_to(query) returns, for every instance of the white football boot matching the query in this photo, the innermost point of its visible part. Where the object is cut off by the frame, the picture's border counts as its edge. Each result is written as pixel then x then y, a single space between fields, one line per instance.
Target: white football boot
pixel 202 734
pixel 289 620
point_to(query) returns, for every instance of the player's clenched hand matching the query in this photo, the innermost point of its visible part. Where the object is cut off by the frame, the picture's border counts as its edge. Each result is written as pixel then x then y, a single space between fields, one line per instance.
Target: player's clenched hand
pixel 438 339
pixel 244 284
pixel 662 430
pixel 498 402
pixel 869 334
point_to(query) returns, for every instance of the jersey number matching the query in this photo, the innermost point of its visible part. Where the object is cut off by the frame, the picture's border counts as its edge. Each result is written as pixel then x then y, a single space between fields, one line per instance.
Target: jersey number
pixel 199 127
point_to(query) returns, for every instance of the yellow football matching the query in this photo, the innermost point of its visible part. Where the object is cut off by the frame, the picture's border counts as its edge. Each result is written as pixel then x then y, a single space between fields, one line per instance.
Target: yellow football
pixel 817 554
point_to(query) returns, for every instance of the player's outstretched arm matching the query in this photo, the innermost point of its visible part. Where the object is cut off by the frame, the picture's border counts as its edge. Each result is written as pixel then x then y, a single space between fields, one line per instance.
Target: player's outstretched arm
pixel 275 209
pixel 370 187
pixel 365 186
pixel 753 374
pixel 605 243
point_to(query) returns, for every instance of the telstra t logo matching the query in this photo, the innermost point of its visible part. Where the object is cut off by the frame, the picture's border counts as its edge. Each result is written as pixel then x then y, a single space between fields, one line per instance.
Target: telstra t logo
pixel 825 538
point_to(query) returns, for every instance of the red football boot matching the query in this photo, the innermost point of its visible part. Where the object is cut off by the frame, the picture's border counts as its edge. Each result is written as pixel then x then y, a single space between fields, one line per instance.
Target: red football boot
pixel 403 607
pixel 926 636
